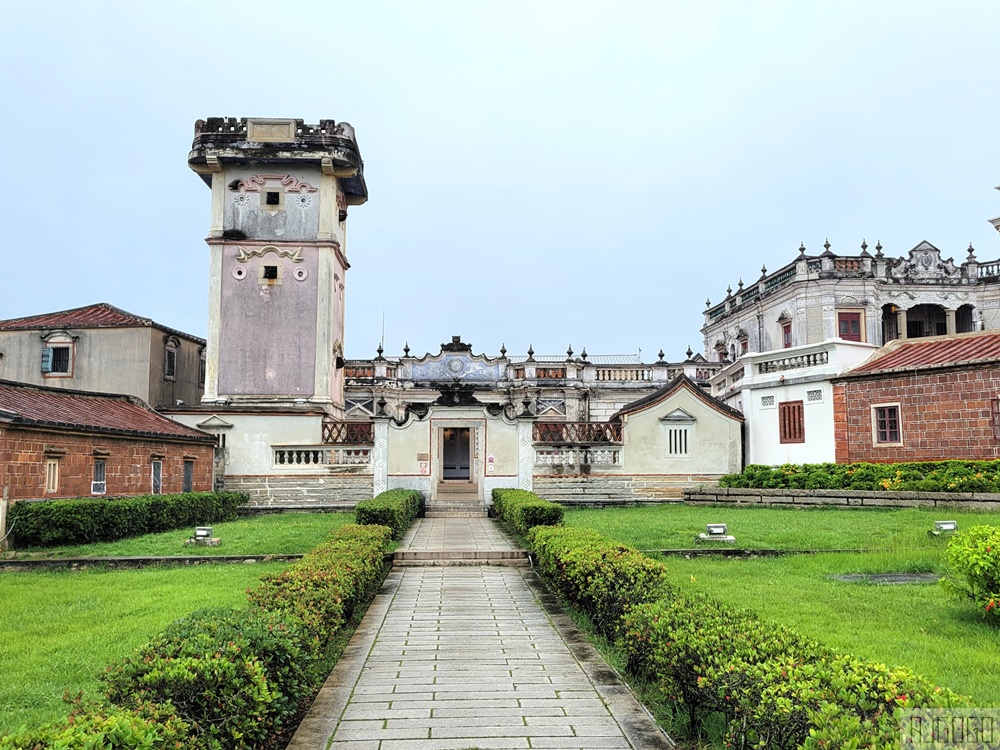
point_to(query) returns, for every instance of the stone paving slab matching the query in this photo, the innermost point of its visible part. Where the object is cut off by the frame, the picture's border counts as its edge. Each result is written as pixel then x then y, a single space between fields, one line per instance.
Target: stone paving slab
pixel 457 534
pixel 460 657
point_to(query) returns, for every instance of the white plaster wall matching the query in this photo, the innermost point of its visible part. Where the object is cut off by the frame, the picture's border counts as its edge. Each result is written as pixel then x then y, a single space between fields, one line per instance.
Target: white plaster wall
pixel 713 439
pixel 764 438
pixel 405 443
pixel 250 441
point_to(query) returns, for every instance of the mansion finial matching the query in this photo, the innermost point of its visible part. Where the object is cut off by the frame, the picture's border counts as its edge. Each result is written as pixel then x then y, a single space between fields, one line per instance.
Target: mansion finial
pixel 864 247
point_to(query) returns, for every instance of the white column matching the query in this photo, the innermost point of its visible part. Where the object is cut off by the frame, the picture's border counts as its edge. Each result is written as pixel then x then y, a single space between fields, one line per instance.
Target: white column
pixel 949 321
pixel 525 455
pixel 901 324
pixel 380 456
pixel 214 323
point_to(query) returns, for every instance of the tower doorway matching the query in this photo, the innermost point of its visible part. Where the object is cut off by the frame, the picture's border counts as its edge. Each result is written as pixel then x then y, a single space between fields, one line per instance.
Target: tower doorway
pixel 456 454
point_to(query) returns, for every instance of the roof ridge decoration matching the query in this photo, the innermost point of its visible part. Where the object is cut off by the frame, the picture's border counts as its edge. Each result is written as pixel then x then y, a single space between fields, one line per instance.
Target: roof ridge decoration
pixel 924 264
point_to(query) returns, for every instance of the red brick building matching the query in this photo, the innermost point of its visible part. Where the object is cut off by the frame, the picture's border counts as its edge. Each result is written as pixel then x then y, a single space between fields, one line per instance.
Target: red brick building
pixel 58 443
pixel 922 399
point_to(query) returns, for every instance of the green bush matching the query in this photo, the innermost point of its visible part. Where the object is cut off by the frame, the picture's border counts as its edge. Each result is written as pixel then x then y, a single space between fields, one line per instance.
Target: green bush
pixel 974 568
pixel 771 687
pixel 86 520
pixel 522 510
pixel 396 509
pixel 928 476
pixel 108 728
pixel 604 579
pixel 323 590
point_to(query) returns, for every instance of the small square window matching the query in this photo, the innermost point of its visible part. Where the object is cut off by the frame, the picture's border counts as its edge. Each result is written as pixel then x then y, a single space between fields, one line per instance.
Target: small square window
pixel 270 272
pixel 886 424
pixel 272 198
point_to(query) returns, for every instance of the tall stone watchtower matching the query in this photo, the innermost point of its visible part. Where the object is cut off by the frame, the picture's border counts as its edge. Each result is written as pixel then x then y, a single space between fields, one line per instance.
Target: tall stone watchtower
pixel 280 192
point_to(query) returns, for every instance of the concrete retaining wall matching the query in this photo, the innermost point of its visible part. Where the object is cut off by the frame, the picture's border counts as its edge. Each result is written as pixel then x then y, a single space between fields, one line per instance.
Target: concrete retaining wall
pixel 339 491
pixel 975 501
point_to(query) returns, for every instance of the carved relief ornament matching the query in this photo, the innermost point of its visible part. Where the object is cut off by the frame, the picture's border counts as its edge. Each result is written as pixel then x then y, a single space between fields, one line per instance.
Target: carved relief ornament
pixel 243 255
pixel 289 183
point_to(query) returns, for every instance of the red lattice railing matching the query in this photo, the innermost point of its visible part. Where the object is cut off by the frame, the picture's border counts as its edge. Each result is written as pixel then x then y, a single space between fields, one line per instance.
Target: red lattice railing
pixel 348 433
pixel 577 433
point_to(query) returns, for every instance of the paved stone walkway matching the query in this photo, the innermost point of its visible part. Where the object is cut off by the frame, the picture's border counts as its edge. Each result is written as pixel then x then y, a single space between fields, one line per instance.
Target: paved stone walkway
pixel 471 657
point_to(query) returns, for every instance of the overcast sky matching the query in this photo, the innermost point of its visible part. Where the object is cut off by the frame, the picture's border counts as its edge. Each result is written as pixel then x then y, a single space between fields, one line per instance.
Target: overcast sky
pixel 541 173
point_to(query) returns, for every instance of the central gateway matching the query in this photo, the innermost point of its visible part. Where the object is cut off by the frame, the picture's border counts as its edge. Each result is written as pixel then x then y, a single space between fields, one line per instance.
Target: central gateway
pixel 456 454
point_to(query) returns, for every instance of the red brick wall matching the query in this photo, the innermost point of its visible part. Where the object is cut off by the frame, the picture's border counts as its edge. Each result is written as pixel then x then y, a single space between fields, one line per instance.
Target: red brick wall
pixel 128 463
pixel 943 415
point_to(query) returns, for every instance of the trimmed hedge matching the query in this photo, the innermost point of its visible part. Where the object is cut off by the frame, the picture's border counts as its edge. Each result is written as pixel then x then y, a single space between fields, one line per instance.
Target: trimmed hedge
pixel 105 727
pixel 601 577
pixel 522 510
pixel 925 476
pixel 396 509
pixel 103 519
pixel 772 687
pixel 974 568
pixel 232 678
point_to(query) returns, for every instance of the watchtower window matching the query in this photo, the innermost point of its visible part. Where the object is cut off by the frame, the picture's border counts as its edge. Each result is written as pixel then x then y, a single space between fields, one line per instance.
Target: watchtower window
pixel 272 198
pixel 270 272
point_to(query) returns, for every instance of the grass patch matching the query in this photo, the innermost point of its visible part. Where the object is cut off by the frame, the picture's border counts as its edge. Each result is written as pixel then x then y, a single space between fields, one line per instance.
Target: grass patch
pixel 916 625
pixel 58 630
pixel 676 526
pixel 273 534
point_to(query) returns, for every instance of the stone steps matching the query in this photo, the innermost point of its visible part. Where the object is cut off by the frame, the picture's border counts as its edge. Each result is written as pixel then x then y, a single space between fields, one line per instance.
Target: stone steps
pixel 425 557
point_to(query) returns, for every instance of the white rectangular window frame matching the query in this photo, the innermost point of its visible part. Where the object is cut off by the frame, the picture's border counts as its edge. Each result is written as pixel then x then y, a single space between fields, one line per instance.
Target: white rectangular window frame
pixel 52 475
pixel 814 396
pixel 99 485
pixel 156 477
pixel 887 425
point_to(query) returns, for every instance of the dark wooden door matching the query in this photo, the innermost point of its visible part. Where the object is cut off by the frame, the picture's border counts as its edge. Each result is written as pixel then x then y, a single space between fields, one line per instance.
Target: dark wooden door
pixel 455 453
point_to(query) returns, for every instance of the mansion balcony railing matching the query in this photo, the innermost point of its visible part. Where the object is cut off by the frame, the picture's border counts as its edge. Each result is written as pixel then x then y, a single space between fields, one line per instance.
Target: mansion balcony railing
pixel 313 456
pixel 618 374
pixel 794 362
pixel 577 433
pixel 989 270
pixel 578 456
pixel 348 433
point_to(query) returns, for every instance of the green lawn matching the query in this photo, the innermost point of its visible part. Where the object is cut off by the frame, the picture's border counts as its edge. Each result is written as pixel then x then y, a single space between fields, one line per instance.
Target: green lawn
pixel 272 534
pixel 918 626
pixel 676 526
pixel 58 630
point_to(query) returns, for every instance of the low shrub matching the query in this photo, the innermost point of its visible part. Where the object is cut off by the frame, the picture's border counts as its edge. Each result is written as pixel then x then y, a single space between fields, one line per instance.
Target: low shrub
pixel 106 727
pixel 604 579
pixel 927 476
pixel 86 520
pixel 230 678
pixel 322 591
pixel 522 510
pixel 772 687
pixel 396 509
pixel 974 568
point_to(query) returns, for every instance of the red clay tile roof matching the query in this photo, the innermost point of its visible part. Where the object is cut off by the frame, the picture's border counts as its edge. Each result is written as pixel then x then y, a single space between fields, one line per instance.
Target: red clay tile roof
pixel 662 393
pixel 935 351
pixel 100 315
pixel 108 413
